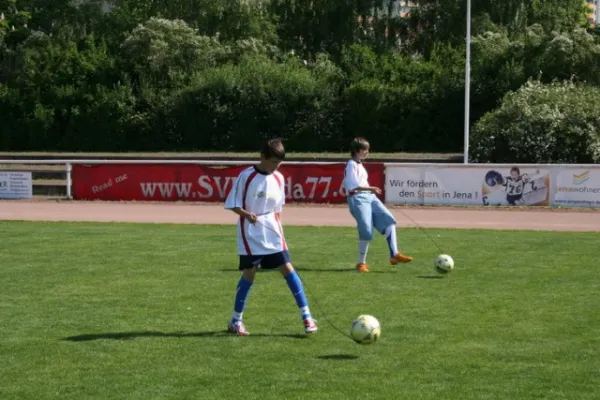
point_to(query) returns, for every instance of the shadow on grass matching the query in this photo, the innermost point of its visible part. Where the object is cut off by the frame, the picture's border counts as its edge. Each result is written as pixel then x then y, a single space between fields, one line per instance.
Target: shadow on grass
pixel 151 334
pixel 338 357
pixel 347 270
pixel 259 270
pixel 302 269
pixel 431 276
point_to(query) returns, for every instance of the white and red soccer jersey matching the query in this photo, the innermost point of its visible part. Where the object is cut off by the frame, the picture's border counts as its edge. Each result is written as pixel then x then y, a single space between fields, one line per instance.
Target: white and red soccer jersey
pixel 355 175
pixel 264 195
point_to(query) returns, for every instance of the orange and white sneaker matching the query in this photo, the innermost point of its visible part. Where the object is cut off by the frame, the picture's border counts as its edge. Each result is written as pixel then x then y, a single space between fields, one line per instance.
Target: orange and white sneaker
pixel 238 328
pixel 400 258
pixel 310 326
pixel 362 267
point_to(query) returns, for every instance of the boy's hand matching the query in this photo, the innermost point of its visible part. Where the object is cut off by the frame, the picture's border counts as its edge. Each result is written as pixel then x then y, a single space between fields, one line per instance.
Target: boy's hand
pixel 251 217
pixel 376 190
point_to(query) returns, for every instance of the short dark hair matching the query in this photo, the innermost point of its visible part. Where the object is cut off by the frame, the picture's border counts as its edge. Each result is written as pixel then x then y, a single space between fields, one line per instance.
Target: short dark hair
pixel 358 144
pixel 515 169
pixel 273 148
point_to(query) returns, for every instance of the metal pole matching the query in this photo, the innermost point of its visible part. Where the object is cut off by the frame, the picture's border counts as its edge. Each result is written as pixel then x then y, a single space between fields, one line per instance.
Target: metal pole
pixel 467 84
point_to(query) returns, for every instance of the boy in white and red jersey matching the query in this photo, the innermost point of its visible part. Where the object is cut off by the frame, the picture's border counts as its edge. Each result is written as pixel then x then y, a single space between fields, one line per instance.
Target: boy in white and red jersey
pixel 368 211
pixel 258 196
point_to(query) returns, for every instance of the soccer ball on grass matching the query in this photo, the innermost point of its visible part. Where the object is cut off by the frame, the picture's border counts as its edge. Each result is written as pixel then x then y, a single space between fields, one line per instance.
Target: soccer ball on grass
pixel 444 264
pixel 365 329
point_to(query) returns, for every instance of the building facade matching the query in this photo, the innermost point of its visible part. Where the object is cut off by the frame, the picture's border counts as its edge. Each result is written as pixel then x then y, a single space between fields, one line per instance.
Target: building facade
pixel 405 8
pixel 593 12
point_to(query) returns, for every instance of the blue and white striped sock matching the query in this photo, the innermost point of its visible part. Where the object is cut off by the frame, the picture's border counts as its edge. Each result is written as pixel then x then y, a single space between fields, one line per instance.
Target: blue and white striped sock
pixel 241 295
pixel 390 236
pixel 296 287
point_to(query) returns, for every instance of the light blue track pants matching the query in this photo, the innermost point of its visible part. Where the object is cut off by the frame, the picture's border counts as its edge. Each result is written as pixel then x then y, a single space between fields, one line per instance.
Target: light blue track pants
pixel 369 212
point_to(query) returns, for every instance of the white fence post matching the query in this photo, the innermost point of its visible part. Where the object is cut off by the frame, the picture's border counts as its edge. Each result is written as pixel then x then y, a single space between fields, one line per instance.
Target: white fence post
pixel 69 169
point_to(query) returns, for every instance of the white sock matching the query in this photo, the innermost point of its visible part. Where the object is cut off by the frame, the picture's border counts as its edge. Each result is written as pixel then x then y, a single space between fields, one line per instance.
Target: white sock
pixel 305 312
pixel 390 235
pixel 235 316
pixel 363 249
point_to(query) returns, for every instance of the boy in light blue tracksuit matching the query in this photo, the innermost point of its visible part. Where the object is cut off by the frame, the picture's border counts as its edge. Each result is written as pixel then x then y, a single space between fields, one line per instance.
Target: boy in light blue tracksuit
pixel 368 211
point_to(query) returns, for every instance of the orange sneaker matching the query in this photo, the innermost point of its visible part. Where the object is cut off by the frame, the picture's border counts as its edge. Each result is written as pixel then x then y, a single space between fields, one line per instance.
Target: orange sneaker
pixel 400 258
pixel 362 268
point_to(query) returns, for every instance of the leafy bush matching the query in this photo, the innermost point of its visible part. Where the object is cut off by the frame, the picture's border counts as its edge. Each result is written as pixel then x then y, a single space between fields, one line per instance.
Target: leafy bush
pixel 236 105
pixel 541 123
pixel 406 103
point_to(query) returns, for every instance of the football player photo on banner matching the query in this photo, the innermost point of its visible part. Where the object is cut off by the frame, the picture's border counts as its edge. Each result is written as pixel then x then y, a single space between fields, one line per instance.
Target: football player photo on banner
pixel 576 187
pixel 516 186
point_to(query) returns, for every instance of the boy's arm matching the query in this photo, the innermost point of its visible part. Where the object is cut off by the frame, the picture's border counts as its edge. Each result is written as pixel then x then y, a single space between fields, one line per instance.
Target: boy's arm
pixel 279 207
pixel 368 188
pixel 235 200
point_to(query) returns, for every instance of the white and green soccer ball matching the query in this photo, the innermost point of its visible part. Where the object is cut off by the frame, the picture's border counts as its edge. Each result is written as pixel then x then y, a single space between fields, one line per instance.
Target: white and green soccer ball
pixel 444 264
pixel 365 329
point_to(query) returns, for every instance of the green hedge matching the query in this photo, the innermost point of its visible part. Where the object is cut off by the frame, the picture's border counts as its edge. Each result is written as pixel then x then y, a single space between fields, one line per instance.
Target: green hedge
pixel 222 80
pixel 541 123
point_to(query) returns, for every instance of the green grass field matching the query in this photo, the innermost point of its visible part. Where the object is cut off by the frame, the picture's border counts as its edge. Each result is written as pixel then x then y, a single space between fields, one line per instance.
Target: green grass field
pixel 128 311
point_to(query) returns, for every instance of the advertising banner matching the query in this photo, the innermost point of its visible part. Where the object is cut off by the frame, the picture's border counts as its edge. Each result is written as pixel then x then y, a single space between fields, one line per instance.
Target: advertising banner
pixel 576 187
pixel 15 185
pixel 472 185
pixel 313 183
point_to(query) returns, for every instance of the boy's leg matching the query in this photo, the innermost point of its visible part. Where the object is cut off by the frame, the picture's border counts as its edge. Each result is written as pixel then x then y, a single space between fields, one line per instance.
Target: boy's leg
pixel 385 223
pixel 241 295
pixel 363 250
pixel 392 240
pixel 360 208
pixel 295 284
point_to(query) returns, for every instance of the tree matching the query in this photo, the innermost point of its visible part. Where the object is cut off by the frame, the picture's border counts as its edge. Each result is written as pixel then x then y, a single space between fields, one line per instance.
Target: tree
pixel 445 20
pixel 310 27
pixel 167 53
pixel 55 81
pixel 569 55
pixel 229 20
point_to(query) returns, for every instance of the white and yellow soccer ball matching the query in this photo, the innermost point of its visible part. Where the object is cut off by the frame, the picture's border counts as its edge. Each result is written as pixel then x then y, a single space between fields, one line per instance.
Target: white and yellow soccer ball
pixel 444 264
pixel 365 329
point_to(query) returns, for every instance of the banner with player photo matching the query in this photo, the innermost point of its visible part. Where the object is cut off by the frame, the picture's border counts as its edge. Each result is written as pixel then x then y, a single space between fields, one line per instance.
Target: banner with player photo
pixel 516 186
pixel 467 185
pixel 574 186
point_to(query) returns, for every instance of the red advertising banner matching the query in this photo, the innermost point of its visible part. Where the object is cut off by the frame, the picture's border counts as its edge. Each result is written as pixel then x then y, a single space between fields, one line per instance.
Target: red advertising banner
pixel 311 183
